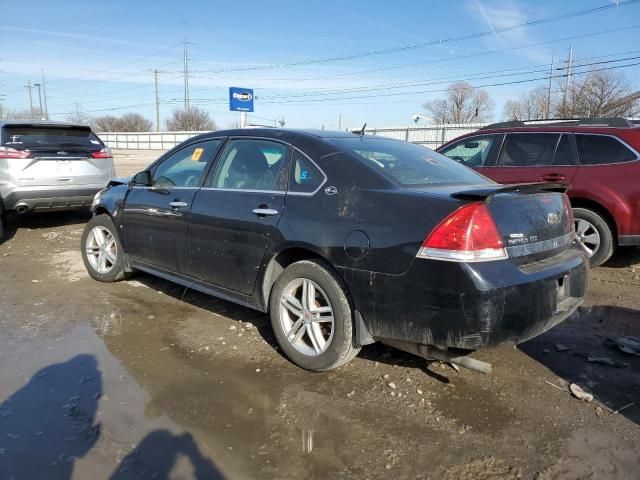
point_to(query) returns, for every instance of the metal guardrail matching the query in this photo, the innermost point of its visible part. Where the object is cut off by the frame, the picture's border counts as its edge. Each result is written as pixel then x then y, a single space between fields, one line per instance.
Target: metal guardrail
pixel 431 136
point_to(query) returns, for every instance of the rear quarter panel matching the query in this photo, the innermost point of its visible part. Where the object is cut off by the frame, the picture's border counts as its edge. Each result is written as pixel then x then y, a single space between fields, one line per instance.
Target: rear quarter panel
pixel 616 187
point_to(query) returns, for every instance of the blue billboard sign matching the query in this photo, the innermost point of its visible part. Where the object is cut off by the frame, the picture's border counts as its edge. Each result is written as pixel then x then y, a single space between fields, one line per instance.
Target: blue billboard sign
pixel 240 99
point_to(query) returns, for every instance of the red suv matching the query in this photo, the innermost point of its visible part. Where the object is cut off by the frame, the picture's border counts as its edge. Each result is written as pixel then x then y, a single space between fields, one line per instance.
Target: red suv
pixel 598 157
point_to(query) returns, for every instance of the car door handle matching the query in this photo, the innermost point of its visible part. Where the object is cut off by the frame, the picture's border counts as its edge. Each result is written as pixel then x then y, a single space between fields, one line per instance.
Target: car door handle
pixel 265 212
pixel 552 177
pixel 178 204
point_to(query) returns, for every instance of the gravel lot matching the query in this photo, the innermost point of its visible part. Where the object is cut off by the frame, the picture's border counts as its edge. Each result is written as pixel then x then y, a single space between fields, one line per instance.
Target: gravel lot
pixel 144 377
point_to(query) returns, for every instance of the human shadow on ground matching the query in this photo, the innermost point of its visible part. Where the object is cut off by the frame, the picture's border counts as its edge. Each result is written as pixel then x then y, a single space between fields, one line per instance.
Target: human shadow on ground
pixel 578 352
pixel 49 423
pixel 158 455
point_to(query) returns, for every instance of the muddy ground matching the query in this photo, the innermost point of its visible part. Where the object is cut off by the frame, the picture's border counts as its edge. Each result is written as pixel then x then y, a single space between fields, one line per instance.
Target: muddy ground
pixel 144 379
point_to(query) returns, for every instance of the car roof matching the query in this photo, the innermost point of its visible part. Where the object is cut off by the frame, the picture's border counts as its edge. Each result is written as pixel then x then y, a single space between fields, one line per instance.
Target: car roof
pixel 40 123
pixel 284 134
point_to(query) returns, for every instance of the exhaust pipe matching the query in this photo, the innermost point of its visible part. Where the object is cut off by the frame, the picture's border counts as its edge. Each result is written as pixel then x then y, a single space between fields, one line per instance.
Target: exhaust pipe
pixel 433 353
pixel 22 208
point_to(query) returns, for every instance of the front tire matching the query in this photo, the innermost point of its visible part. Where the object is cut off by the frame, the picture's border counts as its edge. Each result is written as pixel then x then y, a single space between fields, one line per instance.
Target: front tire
pixel 595 233
pixel 311 317
pixel 102 252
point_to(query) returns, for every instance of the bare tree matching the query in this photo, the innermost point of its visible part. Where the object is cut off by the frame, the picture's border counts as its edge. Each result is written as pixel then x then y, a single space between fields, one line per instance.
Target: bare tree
pixel 134 122
pixel 194 119
pixel 533 105
pixel 598 94
pixel 7 114
pixel 463 103
pixel 106 123
pixel 79 116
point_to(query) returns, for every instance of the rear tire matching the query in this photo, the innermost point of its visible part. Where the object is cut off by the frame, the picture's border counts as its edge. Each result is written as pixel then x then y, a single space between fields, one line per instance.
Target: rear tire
pixel 595 232
pixel 302 327
pixel 102 251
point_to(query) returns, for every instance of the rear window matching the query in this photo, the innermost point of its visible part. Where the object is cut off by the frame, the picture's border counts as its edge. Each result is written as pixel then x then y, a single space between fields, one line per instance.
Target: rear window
pixel 30 137
pixel 601 150
pixel 409 164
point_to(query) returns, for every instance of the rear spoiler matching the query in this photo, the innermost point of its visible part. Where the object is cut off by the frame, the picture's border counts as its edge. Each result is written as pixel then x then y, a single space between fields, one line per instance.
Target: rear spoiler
pixel 485 193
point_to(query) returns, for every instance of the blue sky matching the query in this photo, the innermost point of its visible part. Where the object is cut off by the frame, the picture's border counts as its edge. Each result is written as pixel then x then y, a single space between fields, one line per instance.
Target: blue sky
pixel 100 55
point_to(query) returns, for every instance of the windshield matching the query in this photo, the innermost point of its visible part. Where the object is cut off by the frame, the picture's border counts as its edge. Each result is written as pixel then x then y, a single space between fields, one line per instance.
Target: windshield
pixel 409 164
pixel 30 137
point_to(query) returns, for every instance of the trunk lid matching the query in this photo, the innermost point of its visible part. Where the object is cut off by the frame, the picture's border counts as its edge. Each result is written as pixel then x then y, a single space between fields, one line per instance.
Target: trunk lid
pixel 534 220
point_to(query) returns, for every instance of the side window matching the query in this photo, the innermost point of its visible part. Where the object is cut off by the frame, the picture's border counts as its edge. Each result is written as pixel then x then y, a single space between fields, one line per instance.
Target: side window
pixel 251 165
pixel 473 151
pixel 185 167
pixel 528 150
pixel 563 155
pixel 600 149
pixel 305 176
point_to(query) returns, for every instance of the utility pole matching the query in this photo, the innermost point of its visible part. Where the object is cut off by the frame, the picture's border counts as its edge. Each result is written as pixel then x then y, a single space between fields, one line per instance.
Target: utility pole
pixel 340 122
pixel 44 95
pixel 568 81
pixel 40 100
pixel 155 75
pixel 28 86
pixel 186 76
pixel 548 109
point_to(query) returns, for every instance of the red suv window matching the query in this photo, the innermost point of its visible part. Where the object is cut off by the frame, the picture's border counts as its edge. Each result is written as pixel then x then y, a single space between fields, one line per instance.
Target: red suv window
pixel 602 149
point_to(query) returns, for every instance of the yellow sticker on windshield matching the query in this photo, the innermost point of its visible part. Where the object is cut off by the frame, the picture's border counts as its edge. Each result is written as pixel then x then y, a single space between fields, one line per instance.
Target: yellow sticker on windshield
pixel 197 153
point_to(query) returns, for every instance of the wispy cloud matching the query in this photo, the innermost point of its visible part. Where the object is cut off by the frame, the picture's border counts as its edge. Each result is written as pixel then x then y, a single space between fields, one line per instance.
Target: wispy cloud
pixel 499 15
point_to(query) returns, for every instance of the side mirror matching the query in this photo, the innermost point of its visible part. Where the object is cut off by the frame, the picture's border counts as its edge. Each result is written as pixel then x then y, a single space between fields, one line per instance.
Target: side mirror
pixel 143 179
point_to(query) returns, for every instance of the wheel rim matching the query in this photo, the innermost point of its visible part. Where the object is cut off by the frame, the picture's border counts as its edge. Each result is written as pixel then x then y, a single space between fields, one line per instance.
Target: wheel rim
pixel 306 317
pixel 588 235
pixel 101 249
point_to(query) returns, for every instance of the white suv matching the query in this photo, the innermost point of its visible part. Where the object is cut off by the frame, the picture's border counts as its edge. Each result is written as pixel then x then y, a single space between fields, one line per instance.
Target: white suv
pixel 50 166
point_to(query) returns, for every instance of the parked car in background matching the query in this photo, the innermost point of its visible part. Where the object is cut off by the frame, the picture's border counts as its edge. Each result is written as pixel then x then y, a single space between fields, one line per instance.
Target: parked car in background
pixel 50 166
pixel 598 158
pixel 345 239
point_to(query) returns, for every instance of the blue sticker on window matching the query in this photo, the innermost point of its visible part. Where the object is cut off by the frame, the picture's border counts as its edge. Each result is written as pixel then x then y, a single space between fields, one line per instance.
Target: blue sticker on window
pixel 304 175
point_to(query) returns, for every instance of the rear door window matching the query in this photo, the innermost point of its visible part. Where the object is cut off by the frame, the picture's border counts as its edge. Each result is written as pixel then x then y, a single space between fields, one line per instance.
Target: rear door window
pixel 564 155
pixel 602 150
pixel 36 137
pixel 305 176
pixel 472 151
pixel 528 149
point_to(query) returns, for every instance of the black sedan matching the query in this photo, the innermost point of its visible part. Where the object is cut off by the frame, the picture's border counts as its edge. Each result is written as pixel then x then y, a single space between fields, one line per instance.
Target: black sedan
pixel 344 240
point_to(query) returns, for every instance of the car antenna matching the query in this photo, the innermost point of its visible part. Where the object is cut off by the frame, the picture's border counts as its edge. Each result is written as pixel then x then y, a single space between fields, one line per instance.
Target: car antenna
pixel 362 131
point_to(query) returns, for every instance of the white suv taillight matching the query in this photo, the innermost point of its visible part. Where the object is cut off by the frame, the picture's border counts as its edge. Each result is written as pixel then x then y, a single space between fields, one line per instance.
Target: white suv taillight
pixel 8 152
pixel 104 153
pixel 467 235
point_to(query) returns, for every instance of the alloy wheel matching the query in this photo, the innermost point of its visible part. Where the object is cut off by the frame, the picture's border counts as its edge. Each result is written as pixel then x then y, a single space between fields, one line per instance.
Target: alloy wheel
pixel 306 317
pixel 101 249
pixel 588 235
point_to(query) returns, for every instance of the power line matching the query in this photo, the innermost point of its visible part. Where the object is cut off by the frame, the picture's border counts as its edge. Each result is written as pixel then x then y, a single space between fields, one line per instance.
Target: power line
pixel 448 59
pixel 442 41
pixel 513 82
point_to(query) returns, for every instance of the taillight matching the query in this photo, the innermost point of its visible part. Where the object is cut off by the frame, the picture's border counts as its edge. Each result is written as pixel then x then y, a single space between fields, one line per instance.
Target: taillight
pixel 467 235
pixel 104 153
pixel 8 152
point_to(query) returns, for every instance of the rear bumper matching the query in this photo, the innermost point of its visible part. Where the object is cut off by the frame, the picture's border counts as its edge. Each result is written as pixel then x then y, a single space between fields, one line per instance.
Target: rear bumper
pixel 47 198
pixel 475 305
